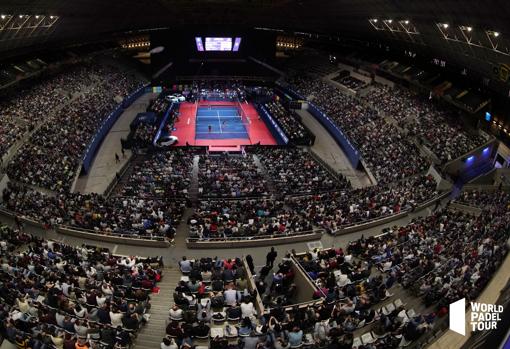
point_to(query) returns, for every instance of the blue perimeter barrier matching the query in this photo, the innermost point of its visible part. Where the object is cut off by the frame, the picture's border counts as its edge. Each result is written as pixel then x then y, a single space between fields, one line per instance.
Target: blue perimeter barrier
pixel 105 127
pixel 341 139
pixel 275 130
pixel 163 123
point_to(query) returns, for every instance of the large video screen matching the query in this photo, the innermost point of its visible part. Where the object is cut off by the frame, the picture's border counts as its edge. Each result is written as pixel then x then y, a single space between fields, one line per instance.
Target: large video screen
pixel 218 44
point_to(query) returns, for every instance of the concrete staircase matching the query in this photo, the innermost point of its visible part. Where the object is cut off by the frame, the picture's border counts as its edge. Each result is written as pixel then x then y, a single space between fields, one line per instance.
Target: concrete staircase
pixel 261 167
pixel 193 189
pixel 152 333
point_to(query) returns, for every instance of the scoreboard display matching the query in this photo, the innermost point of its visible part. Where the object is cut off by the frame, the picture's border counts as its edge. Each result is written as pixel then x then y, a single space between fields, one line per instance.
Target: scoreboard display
pixel 218 44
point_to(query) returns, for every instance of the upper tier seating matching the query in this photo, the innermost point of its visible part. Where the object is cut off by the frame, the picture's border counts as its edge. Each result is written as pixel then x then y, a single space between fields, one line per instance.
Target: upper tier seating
pixel 380 143
pixel 440 130
pixel 51 156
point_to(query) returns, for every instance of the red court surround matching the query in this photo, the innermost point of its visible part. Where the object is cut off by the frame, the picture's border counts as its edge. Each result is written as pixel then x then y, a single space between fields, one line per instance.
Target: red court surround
pixel 185 127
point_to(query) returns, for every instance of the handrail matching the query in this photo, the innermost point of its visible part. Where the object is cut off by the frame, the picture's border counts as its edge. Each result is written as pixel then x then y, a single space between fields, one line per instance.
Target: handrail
pixel 113 234
pixel 62 228
pixel 257 237
pixel 395 215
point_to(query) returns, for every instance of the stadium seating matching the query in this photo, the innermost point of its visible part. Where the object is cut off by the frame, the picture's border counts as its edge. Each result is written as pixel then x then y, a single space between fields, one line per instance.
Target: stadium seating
pixel 70 129
pixel 437 128
pixel 128 216
pixel 379 142
pixel 58 295
pixel 230 176
pixel 293 128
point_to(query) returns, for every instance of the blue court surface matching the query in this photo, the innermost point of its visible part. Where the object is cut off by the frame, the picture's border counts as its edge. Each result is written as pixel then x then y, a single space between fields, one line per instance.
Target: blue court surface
pixel 219 122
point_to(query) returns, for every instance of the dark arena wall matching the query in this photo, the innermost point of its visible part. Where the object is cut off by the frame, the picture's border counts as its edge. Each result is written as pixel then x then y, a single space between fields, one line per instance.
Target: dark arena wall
pixel 181 60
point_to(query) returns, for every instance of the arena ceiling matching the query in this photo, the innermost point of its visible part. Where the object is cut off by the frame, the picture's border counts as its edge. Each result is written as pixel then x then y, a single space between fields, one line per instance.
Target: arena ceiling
pixel 82 20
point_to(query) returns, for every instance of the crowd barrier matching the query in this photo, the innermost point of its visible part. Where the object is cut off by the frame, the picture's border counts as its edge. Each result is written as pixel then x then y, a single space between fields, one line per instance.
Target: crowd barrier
pixel 124 239
pixel 466 208
pixel 253 287
pixel 386 219
pixel 342 140
pixel 251 241
pixel 105 127
pixel 273 126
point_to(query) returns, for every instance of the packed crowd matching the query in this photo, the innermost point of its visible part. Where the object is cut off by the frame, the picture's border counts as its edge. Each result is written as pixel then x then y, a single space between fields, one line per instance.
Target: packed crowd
pixel 130 216
pixel 30 106
pixel 230 176
pixel 379 143
pixel 162 175
pixel 58 296
pixel 441 131
pixel 51 156
pixel 398 103
pixel 212 300
pixel 444 135
pixel 294 171
pixel 443 257
pixel 290 124
pixel 144 135
pixel 244 218
pixel 332 211
pixel 352 296
pixel 483 199
pixel 382 146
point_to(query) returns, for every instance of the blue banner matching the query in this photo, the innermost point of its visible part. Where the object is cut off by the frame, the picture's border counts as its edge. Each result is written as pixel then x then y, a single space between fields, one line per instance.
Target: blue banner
pixel 273 126
pixel 105 127
pixel 341 139
pixel 163 122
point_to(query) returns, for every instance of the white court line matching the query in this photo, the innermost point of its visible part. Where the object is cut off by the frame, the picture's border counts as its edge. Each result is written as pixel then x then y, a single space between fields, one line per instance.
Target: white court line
pixel 189 120
pixel 225 133
pixel 115 249
pixel 219 120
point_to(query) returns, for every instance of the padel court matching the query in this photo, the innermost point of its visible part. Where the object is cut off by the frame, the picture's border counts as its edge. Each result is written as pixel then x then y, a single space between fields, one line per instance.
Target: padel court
pixel 221 124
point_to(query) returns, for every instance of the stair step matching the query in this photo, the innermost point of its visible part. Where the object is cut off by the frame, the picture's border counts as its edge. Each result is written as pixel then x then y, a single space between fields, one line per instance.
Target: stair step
pixel 152 334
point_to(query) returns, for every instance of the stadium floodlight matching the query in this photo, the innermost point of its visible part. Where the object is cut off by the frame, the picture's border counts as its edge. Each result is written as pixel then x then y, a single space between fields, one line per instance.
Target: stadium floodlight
pixel 390 20
pixel 3 16
pixel 374 20
pixel 469 29
pixel 51 17
pixel 20 16
pixel 496 34
pixel 445 25
pixel 406 21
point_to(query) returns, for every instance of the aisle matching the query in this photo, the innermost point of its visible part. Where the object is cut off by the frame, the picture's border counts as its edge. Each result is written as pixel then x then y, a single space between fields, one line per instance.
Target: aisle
pixel 153 332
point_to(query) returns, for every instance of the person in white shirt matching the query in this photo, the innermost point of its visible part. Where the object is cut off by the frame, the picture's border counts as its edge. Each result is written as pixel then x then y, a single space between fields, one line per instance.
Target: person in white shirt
pixel 230 296
pixel 169 344
pixel 107 289
pixel 248 310
pixel 100 300
pixel 80 312
pixel 185 265
pixel 176 313
pixel 59 318
pixel 116 318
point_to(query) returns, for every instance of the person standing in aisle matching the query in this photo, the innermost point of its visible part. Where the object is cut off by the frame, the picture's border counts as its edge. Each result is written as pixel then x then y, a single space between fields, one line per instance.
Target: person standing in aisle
pixel 271 257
